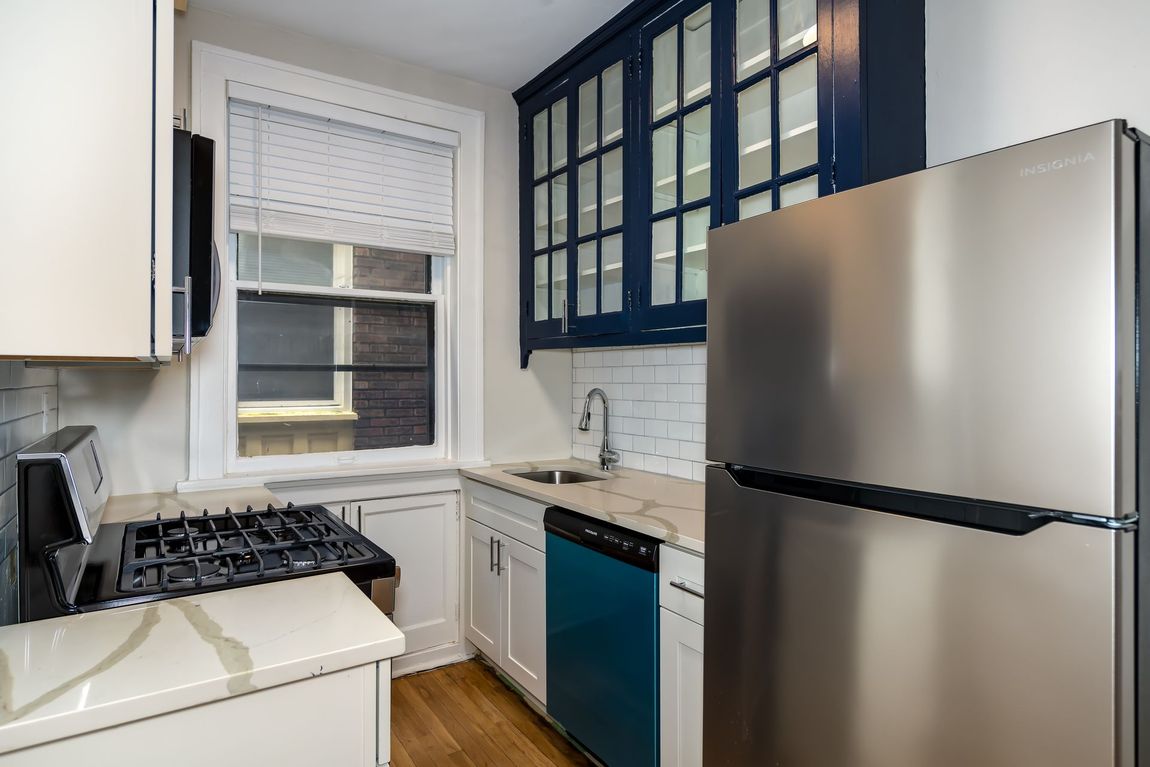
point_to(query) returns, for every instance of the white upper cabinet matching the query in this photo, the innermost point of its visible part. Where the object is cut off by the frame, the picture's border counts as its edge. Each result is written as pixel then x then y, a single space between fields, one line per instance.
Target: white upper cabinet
pixel 86 164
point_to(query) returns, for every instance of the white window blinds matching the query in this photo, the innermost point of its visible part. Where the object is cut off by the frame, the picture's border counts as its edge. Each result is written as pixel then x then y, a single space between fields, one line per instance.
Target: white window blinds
pixel 296 175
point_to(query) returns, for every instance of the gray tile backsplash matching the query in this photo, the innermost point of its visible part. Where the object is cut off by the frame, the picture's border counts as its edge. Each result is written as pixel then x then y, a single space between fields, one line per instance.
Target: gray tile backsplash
pixel 28 411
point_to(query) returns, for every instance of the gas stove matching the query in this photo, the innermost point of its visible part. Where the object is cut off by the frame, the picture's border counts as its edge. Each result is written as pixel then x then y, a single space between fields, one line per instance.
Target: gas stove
pixel 70 562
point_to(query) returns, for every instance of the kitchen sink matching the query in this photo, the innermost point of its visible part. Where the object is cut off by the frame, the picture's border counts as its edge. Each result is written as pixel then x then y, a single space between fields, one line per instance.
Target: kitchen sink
pixel 555 476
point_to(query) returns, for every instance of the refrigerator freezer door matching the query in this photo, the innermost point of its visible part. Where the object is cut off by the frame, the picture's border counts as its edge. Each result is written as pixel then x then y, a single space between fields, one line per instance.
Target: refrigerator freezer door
pixel 966 330
pixel 840 636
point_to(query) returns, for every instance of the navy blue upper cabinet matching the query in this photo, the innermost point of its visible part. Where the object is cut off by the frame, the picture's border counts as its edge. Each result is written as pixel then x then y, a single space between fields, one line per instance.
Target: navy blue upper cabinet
pixel 679 116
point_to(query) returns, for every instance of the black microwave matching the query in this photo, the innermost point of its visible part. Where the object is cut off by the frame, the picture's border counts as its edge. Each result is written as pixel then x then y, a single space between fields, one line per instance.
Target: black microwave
pixel 195 260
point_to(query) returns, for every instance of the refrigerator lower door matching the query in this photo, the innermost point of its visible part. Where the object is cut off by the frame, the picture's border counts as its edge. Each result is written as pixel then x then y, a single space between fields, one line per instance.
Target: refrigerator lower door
pixel 841 636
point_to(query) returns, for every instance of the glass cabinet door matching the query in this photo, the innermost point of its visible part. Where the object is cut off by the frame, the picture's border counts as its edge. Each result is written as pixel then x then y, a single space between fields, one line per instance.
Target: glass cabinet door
pixel 776 148
pixel 551 228
pixel 600 160
pixel 679 125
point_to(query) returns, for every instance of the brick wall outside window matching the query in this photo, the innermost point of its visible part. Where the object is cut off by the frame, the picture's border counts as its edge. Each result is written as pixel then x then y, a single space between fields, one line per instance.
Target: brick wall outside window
pixel 395 407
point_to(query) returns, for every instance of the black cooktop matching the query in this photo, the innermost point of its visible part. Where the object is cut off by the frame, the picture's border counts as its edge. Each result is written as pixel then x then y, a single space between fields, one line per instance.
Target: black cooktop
pixel 140 561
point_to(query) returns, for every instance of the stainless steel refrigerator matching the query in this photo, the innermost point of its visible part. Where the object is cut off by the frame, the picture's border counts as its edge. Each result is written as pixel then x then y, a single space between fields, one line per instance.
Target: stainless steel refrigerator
pixel 922 545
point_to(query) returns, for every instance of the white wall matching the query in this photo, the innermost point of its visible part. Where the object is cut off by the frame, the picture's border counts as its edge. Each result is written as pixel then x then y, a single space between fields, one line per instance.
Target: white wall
pixel 1003 71
pixel 143 415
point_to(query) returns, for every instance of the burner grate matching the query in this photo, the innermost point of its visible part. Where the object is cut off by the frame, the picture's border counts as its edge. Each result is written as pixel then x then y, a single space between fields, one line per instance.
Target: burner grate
pixel 216 549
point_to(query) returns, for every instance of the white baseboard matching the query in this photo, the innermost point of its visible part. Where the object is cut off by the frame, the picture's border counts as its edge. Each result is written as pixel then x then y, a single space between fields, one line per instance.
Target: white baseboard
pixel 432 657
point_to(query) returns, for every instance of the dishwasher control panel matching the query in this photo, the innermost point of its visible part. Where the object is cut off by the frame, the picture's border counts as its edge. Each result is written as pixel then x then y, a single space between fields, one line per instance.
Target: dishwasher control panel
pixel 614 541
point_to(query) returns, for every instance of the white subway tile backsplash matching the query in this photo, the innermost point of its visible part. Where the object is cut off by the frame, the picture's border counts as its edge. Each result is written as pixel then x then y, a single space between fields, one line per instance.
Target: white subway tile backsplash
pixel 658 409
pixel 28 411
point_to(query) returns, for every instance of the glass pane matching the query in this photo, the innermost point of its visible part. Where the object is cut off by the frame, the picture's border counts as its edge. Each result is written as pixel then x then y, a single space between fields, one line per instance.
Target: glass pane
pixel 613 273
pixel 797 25
pixel 559 209
pixel 306 262
pixel 558 283
pixel 541 287
pixel 664 261
pixel 613 188
pixel 589 116
pixel 755 134
pixel 289 351
pixel 559 134
pixel 541 216
pixel 588 278
pixel 664 173
pixel 754 41
pixel 697 154
pixel 755 204
pixel 539 134
pixel 695 225
pixel 613 103
pixel 799 191
pixel 697 55
pixel 378 269
pixel 665 73
pixel 798 116
pixel 588 200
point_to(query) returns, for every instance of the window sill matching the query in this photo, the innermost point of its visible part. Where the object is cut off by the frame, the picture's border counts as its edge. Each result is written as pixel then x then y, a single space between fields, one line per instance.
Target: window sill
pixel 397 470
pixel 296 416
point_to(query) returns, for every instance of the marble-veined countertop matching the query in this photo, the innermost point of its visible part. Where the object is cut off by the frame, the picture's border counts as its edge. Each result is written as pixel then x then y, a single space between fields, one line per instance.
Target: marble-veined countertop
pixel 66 676
pixel 144 506
pixel 663 507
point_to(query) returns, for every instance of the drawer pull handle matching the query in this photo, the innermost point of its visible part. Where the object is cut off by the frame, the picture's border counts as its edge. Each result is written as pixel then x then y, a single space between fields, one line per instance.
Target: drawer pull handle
pixel 681 585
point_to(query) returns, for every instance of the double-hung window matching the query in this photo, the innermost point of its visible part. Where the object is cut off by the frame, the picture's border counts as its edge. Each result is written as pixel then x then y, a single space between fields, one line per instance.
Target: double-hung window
pixel 340 229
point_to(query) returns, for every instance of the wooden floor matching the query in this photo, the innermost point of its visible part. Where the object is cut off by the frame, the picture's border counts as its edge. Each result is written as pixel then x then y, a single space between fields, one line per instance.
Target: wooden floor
pixel 464 715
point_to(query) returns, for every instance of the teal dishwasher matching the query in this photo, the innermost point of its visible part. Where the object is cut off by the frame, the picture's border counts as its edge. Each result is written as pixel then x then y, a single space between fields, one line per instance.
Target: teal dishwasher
pixel 602 637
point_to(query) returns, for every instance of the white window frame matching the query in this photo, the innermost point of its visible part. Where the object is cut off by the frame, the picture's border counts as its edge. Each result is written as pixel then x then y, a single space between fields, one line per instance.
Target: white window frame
pixel 213 427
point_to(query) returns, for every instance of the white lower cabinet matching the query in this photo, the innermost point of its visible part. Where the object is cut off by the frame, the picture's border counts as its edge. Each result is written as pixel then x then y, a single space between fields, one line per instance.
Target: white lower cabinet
pixel 422 533
pixel 680 658
pixel 680 691
pixel 505 597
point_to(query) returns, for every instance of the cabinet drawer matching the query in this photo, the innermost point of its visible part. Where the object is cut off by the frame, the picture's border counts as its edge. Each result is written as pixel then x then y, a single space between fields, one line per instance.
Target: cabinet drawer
pixel 510 514
pixel 681 582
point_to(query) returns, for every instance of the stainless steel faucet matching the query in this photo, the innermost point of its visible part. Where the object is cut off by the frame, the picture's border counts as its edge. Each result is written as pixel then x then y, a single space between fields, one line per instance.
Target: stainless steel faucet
pixel 607 456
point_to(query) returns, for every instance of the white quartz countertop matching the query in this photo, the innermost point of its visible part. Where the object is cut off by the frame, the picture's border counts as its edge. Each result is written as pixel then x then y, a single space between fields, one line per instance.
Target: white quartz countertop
pixel 66 676
pixel 663 507
pixel 144 506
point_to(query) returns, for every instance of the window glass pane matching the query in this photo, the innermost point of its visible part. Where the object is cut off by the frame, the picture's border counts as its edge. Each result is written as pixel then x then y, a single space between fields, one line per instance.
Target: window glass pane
pixel 664 171
pixel 299 262
pixel 613 188
pixel 589 116
pixel 697 55
pixel 588 278
pixel 559 134
pixel 559 209
pixel 664 261
pixel 754 40
pixel 797 25
pixel 695 225
pixel 558 283
pixel 588 201
pixel 359 370
pixel 541 287
pixel 539 134
pixel 697 154
pixel 541 215
pixel 378 269
pixel 665 73
pixel 799 191
pixel 613 103
pixel 612 273
pixel 798 116
pixel 755 204
pixel 755 134
pixel 305 262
